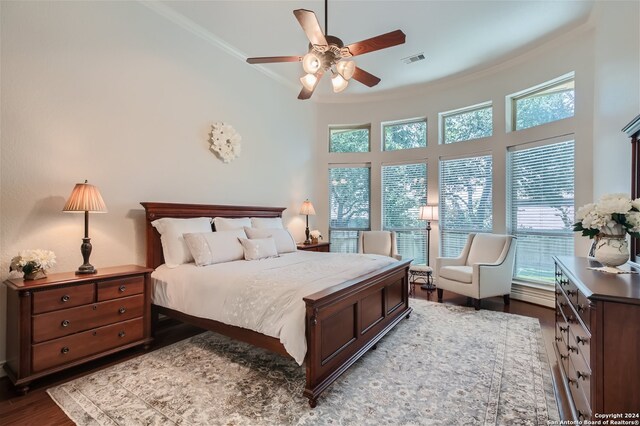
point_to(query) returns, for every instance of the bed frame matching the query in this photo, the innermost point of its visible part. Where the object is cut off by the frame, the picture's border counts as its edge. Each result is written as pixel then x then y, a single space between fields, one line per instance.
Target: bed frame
pixel 342 322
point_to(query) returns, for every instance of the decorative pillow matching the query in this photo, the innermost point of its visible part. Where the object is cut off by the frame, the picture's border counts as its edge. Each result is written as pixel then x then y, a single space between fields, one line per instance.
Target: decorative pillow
pixel 267 222
pixel 283 239
pixel 227 224
pixel 259 248
pixel 208 248
pixel 174 247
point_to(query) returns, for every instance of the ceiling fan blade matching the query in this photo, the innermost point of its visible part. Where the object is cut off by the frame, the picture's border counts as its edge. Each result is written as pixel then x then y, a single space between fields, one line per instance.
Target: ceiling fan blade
pixel 365 78
pixel 268 59
pixel 382 41
pixel 311 26
pixel 306 93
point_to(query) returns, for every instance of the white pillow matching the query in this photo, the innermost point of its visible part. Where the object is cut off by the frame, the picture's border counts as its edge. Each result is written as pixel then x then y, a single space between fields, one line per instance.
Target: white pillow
pixel 208 248
pixel 267 222
pixel 227 224
pixel 259 248
pixel 174 247
pixel 283 239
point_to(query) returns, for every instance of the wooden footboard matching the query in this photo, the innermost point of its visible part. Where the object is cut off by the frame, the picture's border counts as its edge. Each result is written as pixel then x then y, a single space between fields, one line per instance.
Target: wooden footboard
pixel 345 321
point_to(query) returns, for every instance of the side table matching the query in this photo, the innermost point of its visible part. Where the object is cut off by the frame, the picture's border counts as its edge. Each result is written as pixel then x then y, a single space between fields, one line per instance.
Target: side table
pixel 423 273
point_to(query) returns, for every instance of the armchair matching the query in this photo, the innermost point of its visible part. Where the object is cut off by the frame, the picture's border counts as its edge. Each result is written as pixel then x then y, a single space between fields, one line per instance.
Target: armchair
pixel 483 269
pixel 378 242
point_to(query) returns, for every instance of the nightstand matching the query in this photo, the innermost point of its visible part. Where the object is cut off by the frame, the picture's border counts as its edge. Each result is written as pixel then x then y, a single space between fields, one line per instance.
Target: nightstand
pixel 66 319
pixel 315 247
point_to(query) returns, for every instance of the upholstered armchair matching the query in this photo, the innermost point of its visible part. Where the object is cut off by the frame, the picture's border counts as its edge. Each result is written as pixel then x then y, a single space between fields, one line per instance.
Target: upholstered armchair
pixel 483 269
pixel 378 242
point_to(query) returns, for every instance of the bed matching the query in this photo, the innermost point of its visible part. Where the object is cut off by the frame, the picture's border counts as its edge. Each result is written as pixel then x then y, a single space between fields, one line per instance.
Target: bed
pixel 341 322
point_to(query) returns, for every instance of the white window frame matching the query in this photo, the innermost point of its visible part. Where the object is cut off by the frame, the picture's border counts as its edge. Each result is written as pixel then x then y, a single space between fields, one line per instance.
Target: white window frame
pixel 443 115
pixel 385 124
pixel 366 126
pixel 510 100
pixel 422 229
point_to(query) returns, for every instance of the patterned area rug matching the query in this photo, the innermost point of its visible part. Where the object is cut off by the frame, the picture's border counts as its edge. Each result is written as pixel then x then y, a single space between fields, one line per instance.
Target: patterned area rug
pixel 445 365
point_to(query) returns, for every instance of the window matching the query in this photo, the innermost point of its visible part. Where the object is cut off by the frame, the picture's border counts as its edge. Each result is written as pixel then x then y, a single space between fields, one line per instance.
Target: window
pixel 404 190
pixel 544 105
pixel 349 139
pixel 349 206
pixel 405 135
pixel 465 201
pixel 470 123
pixel 540 208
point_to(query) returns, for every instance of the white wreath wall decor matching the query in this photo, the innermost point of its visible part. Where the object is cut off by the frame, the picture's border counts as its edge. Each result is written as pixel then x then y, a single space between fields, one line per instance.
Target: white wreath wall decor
pixel 225 141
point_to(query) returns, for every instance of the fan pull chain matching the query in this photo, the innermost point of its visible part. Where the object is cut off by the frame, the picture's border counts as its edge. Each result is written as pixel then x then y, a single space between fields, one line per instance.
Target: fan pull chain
pixel 326 17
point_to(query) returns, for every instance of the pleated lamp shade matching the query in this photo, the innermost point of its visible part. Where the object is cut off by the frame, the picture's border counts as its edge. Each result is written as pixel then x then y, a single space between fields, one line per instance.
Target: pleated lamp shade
pixel 429 212
pixel 85 198
pixel 307 208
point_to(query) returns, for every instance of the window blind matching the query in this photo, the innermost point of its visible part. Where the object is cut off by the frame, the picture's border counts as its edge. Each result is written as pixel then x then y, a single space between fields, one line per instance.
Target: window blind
pixel 465 201
pixel 540 205
pixel 404 190
pixel 349 206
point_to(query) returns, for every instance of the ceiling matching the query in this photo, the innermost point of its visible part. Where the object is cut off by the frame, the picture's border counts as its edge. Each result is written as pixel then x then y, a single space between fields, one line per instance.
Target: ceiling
pixel 456 37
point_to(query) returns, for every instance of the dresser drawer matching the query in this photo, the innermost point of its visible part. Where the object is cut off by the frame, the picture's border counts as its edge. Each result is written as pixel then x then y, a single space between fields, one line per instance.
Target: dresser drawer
pixel 113 289
pixel 63 297
pixel 584 311
pixel 580 340
pixel 580 391
pixel 68 321
pixel 64 350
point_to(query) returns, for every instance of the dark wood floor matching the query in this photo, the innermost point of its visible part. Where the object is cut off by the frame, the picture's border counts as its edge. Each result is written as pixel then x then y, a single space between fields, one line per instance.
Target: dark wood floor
pixel 36 408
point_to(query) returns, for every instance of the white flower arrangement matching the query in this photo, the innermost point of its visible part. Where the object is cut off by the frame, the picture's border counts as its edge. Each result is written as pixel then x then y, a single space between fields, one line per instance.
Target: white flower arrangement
pixel 225 141
pixel 32 261
pixel 612 215
pixel 315 234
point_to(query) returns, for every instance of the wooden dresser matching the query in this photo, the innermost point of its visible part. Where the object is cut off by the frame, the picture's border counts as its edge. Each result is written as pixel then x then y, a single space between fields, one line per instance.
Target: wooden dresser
pixel 66 319
pixel 598 338
pixel 315 247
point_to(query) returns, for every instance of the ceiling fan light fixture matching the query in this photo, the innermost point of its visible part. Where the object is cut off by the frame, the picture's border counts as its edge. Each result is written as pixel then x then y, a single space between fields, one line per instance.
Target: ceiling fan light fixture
pixel 311 63
pixel 346 69
pixel 309 81
pixel 339 83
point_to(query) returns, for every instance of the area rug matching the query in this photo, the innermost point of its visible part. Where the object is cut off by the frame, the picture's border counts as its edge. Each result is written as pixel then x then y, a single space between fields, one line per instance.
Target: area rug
pixel 446 365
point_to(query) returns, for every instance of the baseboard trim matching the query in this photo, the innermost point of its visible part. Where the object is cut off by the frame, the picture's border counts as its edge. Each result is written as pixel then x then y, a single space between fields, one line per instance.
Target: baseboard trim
pixel 534 294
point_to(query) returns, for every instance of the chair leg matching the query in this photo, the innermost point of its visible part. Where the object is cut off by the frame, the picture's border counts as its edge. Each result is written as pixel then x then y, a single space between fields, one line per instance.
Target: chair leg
pixel 440 291
pixel 476 304
pixel 507 299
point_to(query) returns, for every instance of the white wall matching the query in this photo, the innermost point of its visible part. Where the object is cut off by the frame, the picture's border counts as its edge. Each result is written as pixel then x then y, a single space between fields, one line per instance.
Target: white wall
pixel 116 94
pixel 617 93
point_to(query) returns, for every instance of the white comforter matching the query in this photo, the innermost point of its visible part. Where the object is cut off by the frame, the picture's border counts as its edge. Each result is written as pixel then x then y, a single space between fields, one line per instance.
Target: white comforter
pixel 261 295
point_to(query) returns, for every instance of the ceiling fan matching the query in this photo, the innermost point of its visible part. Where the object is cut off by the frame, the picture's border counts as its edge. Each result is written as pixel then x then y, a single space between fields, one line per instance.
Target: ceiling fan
pixel 329 54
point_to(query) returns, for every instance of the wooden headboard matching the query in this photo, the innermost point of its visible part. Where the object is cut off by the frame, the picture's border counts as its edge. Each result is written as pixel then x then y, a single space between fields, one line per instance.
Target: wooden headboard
pixel 155 211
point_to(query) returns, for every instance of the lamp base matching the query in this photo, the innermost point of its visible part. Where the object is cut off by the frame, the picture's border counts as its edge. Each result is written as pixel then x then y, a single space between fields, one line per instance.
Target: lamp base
pixel 306 242
pixel 86 269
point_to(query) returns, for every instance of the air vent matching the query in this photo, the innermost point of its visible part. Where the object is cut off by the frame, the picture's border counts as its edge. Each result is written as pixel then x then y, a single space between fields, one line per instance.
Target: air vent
pixel 413 58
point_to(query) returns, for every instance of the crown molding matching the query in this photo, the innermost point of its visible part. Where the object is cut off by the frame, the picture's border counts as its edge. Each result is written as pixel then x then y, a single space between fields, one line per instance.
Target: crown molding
pixel 206 35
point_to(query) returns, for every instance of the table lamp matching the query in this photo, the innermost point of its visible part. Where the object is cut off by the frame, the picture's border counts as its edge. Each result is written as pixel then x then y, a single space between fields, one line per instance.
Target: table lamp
pixel 307 209
pixel 85 198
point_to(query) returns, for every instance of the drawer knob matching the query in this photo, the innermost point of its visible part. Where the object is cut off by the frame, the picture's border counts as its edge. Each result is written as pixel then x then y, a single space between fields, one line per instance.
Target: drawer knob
pixel 582 375
pixel 573 382
pixel 572 292
pixel 65 298
pixel 558 339
pixel 122 310
pixel 572 349
pixel 564 329
pixel 558 292
pixel 122 288
pixel 121 334
pixel 563 304
pixel 64 350
pixel 564 356
pixel 582 340
pixel 65 323
pixel 580 308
